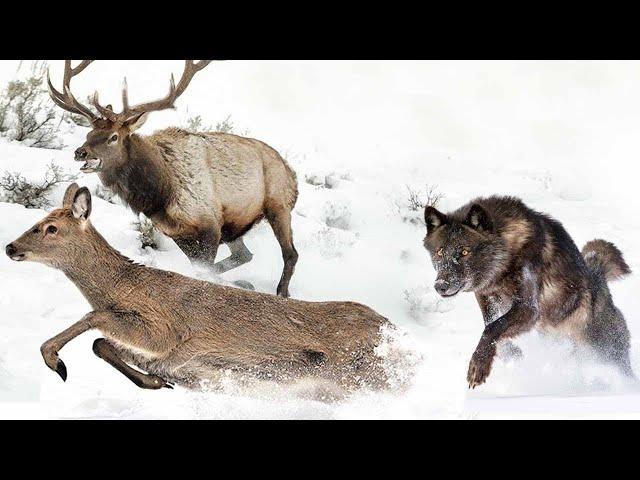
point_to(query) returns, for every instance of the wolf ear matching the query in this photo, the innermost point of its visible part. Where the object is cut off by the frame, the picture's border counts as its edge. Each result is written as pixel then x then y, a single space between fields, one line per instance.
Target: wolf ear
pixel 433 218
pixel 69 195
pixel 479 219
pixel 81 205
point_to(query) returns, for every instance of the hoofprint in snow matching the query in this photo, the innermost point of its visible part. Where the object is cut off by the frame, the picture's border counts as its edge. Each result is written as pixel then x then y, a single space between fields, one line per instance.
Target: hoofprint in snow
pixel 356 242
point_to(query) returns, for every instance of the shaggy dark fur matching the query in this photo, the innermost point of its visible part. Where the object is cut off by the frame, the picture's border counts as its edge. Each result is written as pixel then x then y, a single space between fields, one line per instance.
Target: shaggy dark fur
pixel 526 271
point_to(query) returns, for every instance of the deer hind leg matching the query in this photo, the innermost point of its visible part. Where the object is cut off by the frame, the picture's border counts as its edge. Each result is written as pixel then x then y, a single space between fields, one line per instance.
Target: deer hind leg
pixel 240 255
pixel 280 221
pixel 107 352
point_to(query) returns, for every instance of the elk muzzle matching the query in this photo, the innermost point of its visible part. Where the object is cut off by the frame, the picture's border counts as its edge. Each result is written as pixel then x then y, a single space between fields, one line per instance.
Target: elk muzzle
pixel 92 164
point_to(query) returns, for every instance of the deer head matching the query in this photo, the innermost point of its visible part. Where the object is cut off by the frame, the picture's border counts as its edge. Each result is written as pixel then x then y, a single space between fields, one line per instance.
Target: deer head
pixel 106 143
pixel 56 239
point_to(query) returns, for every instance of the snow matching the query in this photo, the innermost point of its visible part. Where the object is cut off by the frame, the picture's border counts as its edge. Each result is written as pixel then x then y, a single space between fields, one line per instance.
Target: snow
pixel 561 135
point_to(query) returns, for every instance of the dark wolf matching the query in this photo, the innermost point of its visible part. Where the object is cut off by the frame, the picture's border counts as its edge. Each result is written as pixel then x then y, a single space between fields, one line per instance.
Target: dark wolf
pixel 527 272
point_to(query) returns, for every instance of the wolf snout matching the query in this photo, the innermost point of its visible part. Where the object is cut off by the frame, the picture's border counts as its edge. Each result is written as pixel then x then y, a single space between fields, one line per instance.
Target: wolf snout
pixel 444 288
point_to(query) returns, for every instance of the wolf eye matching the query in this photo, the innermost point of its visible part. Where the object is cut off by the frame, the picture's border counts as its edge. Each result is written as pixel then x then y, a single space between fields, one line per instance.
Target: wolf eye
pixel 113 138
pixel 440 252
pixel 52 229
pixel 465 252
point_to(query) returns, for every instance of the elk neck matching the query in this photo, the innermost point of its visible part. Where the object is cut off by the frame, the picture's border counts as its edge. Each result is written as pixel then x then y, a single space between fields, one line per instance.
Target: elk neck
pixel 142 179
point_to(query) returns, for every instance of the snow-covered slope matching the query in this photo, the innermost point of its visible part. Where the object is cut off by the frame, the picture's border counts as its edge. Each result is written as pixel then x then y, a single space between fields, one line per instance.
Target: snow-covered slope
pixel 559 135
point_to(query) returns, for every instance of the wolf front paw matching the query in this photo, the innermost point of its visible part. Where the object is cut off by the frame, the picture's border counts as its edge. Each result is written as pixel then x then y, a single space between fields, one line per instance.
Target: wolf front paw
pixel 480 366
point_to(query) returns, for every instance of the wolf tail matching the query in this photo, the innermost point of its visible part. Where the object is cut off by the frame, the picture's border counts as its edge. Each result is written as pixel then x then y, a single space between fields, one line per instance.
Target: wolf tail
pixel 605 257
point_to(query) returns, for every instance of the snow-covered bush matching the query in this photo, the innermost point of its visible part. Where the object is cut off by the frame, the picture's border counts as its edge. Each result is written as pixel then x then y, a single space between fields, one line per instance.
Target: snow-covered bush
pixel 104 193
pixel 423 300
pixel 147 232
pixel 337 215
pixel 196 124
pixel 332 243
pixel 411 207
pixel 14 188
pixel 330 180
pixel 27 114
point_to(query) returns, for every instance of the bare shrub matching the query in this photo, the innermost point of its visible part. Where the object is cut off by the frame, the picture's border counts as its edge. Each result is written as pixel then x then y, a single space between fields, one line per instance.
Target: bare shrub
pixel 337 215
pixel 197 124
pixel 104 193
pixel 14 188
pixel 147 233
pixel 412 206
pixel 26 113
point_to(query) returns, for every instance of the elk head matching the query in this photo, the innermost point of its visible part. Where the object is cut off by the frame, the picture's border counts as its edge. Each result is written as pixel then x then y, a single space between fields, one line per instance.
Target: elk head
pixel 59 236
pixel 106 144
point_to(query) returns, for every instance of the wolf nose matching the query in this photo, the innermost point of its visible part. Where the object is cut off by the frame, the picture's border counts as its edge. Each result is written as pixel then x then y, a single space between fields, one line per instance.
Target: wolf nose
pixel 10 249
pixel 441 286
pixel 80 153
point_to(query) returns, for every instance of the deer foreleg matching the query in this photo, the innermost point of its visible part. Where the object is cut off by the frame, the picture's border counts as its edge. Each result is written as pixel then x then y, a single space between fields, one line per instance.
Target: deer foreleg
pixel 51 347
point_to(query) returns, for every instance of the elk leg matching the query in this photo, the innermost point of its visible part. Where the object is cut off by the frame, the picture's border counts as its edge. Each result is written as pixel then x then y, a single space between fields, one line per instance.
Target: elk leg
pixel 51 347
pixel 280 222
pixel 240 255
pixel 107 352
pixel 201 248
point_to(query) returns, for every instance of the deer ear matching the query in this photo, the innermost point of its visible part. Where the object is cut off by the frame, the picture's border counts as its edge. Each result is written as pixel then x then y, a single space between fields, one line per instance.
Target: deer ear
pixel 479 219
pixel 69 195
pixel 81 205
pixel 136 122
pixel 433 218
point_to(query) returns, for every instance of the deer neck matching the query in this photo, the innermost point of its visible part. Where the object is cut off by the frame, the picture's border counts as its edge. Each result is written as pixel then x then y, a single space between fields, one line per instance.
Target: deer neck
pixel 98 270
pixel 142 180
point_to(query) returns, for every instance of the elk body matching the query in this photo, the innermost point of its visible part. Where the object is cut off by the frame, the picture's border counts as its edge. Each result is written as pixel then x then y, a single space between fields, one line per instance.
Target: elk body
pixel 200 189
pixel 183 330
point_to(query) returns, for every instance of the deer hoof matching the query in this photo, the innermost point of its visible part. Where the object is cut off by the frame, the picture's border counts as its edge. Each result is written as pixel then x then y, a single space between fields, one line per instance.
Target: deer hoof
pixel 61 370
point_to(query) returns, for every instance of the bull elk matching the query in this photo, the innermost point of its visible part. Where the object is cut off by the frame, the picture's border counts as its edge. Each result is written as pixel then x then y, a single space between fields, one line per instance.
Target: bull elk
pixel 183 330
pixel 200 189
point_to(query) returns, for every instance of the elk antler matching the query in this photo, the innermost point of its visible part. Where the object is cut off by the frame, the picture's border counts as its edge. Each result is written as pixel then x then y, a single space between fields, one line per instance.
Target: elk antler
pixel 190 69
pixel 66 100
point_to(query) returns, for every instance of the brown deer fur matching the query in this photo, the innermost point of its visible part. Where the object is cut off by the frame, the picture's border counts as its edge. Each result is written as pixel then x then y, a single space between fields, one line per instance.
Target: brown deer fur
pixel 183 330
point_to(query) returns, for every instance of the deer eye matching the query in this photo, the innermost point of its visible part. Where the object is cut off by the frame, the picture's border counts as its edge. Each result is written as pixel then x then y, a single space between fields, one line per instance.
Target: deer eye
pixel 52 229
pixel 440 252
pixel 113 138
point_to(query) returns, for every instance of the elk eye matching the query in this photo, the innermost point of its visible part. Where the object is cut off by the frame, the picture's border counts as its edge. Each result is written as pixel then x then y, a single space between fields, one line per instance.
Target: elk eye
pixel 440 253
pixel 113 138
pixel 52 229
pixel 465 252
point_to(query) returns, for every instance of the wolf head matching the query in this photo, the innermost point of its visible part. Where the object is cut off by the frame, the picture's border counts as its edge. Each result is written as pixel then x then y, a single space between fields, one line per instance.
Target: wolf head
pixel 465 249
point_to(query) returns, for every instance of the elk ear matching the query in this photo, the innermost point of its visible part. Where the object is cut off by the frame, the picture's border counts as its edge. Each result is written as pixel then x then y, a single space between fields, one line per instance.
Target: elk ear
pixel 479 219
pixel 136 122
pixel 81 206
pixel 69 195
pixel 433 218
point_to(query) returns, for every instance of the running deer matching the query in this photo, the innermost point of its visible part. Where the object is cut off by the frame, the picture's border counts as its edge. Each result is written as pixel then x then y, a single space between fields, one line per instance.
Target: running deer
pixel 184 331
pixel 200 189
